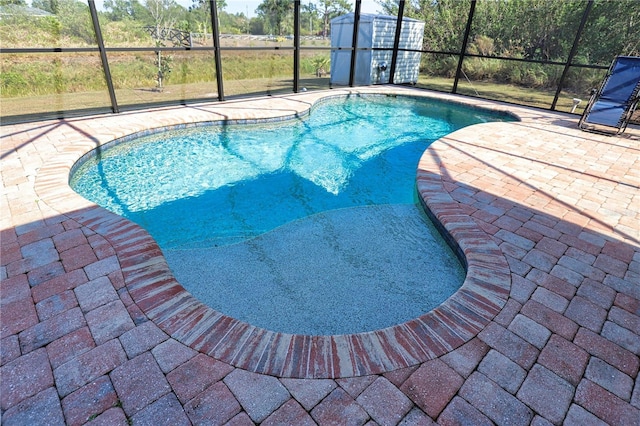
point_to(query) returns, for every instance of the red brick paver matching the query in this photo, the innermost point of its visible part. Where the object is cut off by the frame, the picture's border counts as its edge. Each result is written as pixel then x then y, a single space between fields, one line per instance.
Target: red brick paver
pixel 546 329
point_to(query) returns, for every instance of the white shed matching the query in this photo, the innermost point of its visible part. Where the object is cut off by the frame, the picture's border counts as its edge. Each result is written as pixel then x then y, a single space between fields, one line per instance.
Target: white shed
pixel 373 66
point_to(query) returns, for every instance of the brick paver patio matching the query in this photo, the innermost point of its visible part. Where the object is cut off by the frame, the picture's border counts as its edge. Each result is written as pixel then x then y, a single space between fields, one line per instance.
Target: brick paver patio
pixel 545 330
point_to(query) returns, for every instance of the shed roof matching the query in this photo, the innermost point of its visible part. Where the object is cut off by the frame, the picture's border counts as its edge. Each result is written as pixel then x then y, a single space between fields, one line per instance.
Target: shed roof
pixel 368 17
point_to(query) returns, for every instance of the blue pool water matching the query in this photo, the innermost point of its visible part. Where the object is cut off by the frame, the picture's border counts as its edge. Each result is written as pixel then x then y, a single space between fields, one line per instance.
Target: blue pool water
pixel 308 226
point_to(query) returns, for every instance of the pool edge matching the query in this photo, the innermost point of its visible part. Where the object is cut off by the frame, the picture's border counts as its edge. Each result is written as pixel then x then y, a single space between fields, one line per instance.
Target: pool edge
pixel 156 292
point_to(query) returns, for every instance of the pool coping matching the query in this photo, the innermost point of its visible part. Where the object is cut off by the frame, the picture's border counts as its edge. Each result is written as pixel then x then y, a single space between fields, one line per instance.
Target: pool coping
pixel 159 296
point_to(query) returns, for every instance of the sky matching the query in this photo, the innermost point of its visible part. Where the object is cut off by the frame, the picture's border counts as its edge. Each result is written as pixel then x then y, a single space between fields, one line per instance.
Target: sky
pixel 250 6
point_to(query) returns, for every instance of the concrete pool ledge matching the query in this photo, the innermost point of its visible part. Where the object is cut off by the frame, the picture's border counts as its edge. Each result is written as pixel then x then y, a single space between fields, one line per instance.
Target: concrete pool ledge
pixel 545 328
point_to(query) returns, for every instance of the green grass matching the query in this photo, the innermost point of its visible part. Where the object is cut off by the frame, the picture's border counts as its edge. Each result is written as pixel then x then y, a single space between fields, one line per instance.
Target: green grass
pixel 34 83
pixel 40 104
pixel 31 85
pixel 256 86
pixel 535 97
pixel 36 74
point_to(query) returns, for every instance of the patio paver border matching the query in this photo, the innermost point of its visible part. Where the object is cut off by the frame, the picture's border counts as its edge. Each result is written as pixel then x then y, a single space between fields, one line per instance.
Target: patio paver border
pixel 156 292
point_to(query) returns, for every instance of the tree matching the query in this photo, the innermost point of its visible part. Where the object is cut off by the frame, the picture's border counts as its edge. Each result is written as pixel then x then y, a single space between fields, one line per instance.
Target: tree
pixel 532 29
pixel 389 7
pixel 329 9
pixel 256 25
pixel 309 13
pixel 274 12
pixel 119 10
pixel 233 23
pixel 445 20
pixel 51 6
pixel 200 17
pixel 75 19
pixel 165 15
pixel 205 4
pixel 13 2
pixel 613 29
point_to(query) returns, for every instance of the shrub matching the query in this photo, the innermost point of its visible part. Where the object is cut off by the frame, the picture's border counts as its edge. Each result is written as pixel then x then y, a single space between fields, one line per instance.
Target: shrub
pixel 582 80
pixel 441 67
pixel 320 65
pixel 481 68
pixel 534 78
pixel 484 45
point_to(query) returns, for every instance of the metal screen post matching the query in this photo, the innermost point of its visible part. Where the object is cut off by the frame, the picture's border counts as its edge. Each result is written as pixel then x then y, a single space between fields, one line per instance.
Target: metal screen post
pixel 103 55
pixel 396 42
pixel 296 45
pixel 572 53
pixel 354 43
pixel 215 33
pixel 465 40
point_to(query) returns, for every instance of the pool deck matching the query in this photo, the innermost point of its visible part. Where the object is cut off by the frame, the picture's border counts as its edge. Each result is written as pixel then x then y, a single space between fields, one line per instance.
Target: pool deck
pixel 545 330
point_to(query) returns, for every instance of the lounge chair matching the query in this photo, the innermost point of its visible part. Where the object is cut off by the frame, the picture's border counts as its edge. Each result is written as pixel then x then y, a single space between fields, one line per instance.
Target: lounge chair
pixel 611 106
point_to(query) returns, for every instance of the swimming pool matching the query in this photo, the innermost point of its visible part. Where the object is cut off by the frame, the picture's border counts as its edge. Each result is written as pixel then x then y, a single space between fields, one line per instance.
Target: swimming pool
pixel 228 195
